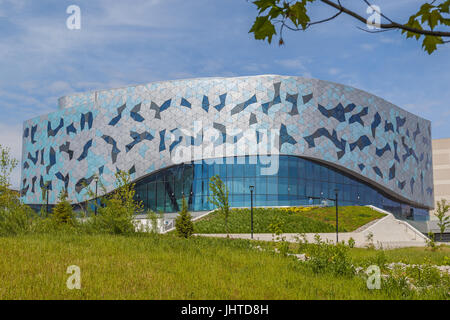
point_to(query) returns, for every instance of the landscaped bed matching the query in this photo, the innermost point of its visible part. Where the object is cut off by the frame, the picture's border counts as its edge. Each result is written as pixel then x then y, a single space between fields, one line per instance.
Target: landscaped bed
pixel 293 220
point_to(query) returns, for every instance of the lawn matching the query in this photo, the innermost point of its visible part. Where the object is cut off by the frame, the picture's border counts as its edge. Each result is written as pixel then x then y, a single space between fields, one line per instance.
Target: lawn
pixel 165 267
pixel 415 255
pixel 294 220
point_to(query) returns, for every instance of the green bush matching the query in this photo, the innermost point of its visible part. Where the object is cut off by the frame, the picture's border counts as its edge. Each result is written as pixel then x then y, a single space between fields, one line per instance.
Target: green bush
pixel 330 258
pixel 63 212
pixel 431 243
pixel 183 223
pixel 15 217
pixel 426 274
pixel 115 215
pixel 351 242
pixel 151 215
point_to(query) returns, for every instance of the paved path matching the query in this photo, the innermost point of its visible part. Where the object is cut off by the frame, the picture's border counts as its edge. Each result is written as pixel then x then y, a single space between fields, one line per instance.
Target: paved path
pixel 388 232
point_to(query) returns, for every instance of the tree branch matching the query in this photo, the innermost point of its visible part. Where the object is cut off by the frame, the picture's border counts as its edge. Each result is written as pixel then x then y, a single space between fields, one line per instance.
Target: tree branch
pixel 392 25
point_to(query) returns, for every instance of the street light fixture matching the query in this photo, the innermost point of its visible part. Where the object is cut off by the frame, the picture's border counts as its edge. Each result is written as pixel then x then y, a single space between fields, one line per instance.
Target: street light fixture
pixel 337 220
pixel 96 189
pixel 47 187
pixel 251 208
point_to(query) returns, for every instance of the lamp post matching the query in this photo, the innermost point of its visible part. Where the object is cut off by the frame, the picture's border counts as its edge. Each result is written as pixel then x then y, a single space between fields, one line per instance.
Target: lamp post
pixel 251 209
pixel 96 188
pixel 337 220
pixel 47 187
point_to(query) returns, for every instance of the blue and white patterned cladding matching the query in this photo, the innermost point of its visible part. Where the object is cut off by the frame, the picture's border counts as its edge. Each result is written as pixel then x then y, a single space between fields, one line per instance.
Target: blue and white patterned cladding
pixel 130 129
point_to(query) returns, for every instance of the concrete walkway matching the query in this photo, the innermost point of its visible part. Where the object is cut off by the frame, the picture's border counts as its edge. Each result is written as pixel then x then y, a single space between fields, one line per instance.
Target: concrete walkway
pixel 388 232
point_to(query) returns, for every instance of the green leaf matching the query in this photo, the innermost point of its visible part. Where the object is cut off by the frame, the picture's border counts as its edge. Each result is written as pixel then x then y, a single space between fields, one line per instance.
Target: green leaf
pixel 263 28
pixel 445 22
pixel 430 43
pixel 425 9
pixel 263 5
pixel 275 12
pixel 413 23
pixel 297 14
pixel 445 6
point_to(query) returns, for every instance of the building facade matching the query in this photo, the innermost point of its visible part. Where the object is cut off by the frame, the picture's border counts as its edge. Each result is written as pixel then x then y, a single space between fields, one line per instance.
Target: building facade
pixel 441 169
pixel 296 140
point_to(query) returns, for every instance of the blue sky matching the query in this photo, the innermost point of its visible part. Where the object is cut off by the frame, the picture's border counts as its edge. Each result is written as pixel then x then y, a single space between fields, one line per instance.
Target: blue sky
pixel 130 42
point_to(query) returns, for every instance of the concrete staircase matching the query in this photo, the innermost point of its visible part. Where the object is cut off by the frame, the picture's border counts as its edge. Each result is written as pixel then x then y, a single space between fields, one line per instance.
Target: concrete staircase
pixel 390 232
pixel 387 232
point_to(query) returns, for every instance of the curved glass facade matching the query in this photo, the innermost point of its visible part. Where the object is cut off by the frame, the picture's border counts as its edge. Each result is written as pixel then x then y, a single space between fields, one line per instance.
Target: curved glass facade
pixel 299 181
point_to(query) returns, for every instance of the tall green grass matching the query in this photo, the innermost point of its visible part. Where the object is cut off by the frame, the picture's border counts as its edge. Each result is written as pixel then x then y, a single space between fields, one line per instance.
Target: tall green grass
pixel 166 267
pixel 413 255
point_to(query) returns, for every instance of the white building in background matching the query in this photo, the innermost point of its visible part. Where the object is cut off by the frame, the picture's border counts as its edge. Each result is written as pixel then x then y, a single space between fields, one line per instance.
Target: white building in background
pixel 441 169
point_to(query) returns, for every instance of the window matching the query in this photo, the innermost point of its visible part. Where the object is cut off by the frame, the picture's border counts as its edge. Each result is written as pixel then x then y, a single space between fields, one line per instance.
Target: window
pixel 261 185
pixel 296 181
pixel 272 185
pixel 293 168
pixel 238 170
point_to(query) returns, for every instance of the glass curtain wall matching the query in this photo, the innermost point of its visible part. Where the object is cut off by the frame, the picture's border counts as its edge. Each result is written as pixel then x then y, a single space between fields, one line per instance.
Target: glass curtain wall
pixel 298 182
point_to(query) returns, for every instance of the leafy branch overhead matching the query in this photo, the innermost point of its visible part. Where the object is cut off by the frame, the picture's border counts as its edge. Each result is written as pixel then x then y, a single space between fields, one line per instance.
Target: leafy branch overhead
pixel 431 23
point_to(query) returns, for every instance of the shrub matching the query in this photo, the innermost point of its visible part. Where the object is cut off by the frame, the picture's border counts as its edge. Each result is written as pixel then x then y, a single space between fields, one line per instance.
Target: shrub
pixel 302 242
pixel 15 217
pixel 151 215
pixel 446 261
pixel 443 220
pixel 351 242
pixel 431 242
pixel 369 240
pixel 397 287
pixel 63 212
pixel 219 197
pixel 183 223
pixel 276 228
pixel 326 257
pixel 115 216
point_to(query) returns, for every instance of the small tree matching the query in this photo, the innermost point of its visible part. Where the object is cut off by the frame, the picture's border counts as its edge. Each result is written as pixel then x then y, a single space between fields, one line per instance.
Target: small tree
pixel 63 212
pixel 115 215
pixel 15 217
pixel 220 197
pixel 183 223
pixel 442 208
pixel 7 165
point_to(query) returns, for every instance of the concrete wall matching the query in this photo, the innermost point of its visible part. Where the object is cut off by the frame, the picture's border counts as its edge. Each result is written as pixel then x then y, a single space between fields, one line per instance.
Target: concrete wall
pixel 441 169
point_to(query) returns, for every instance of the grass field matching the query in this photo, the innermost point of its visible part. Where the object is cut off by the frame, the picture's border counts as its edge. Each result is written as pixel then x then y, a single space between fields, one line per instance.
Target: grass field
pixel 405 255
pixel 165 267
pixel 295 220
pixel 362 256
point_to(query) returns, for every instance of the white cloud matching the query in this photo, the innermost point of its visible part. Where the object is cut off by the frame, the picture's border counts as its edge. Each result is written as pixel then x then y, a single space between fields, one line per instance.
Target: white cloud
pixel 291 63
pixel 60 87
pixel 296 66
pixel 368 46
pixel 334 71
pixel 6 6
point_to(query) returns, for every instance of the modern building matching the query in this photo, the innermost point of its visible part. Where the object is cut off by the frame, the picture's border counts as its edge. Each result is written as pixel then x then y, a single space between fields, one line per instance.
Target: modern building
pixel 296 140
pixel 441 169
